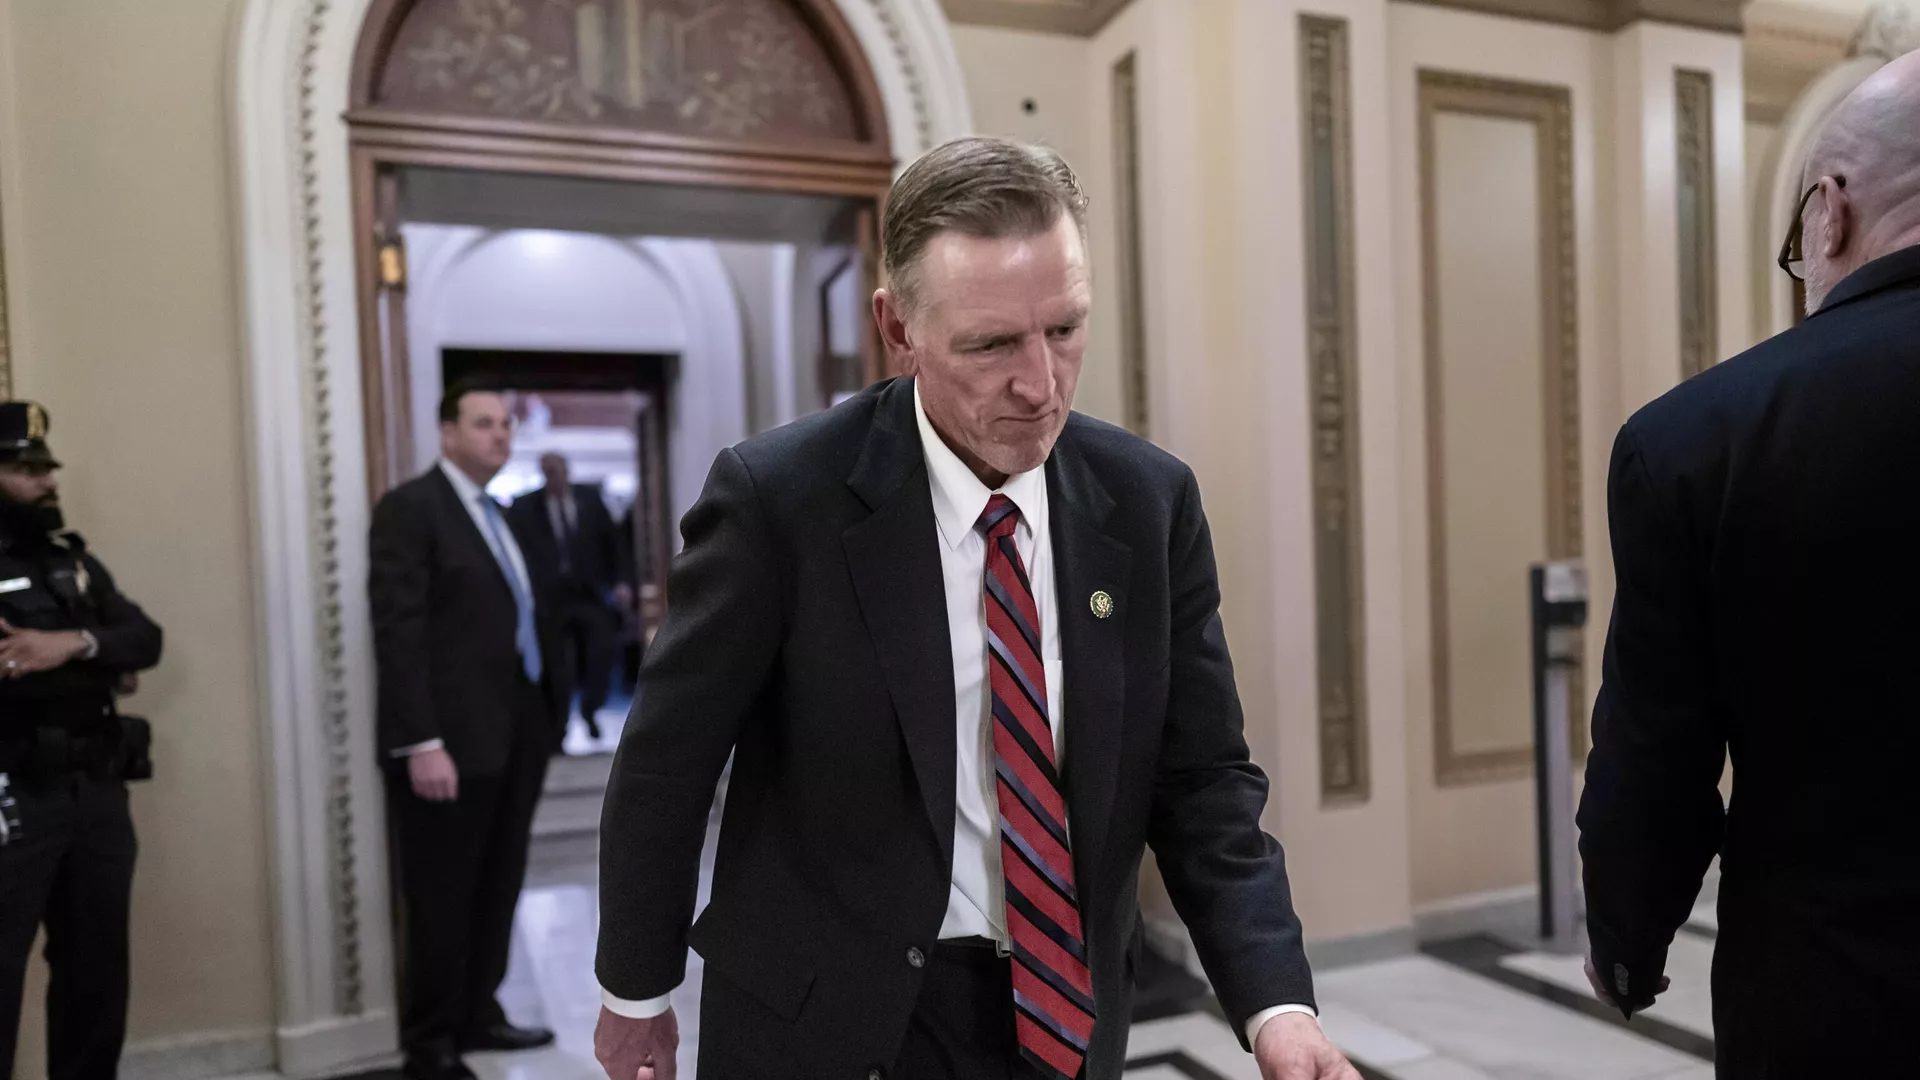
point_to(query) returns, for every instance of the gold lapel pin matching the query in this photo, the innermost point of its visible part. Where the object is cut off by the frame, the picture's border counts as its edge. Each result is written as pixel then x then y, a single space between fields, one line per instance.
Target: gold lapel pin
pixel 1102 604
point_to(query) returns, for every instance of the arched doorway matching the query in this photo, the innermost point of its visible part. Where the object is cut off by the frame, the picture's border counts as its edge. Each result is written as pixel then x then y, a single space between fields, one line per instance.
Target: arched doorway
pixel 311 471
pixel 734 95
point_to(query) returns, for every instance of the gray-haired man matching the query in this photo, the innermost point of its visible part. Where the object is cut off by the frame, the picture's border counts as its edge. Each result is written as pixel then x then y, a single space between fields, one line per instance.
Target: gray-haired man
pixel 965 650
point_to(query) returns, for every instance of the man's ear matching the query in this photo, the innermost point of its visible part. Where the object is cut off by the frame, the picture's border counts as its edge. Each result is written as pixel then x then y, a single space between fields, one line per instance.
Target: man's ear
pixel 1837 226
pixel 890 318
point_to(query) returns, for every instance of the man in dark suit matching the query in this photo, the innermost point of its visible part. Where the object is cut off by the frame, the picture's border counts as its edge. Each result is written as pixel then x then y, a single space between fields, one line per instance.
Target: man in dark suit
pixel 466 725
pixel 965 650
pixel 573 538
pixel 1763 518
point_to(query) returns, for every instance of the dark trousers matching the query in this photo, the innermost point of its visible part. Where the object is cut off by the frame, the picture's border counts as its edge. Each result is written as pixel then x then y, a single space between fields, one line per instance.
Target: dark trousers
pixel 71 868
pixel 460 866
pixel 962 1026
pixel 587 631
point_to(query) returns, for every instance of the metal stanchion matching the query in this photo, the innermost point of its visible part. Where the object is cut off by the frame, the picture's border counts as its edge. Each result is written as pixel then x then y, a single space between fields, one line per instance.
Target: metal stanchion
pixel 1559 602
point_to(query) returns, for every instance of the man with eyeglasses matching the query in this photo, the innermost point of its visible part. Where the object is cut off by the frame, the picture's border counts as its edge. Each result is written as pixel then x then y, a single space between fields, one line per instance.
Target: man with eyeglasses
pixel 1765 519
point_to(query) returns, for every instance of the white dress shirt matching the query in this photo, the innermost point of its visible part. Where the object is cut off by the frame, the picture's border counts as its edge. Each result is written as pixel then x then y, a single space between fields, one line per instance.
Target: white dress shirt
pixel 470 495
pixel 976 899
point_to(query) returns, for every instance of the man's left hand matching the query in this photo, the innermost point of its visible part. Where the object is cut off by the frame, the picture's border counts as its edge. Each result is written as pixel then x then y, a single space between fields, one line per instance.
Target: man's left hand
pixel 1292 1047
pixel 29 652
pixel 1606 994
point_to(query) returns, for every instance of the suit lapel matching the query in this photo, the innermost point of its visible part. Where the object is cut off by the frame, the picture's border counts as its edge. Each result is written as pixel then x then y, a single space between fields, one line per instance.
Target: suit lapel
pixel 1088 561
pixel 894 557
pixel 463 525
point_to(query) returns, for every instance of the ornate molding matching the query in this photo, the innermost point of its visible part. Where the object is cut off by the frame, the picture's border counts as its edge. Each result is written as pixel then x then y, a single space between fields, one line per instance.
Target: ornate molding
pixel 1611 15
pixel 1333 391
pixel 1550 110
pixel 1133 304
pixel 1695 214
pixel 916 83
pixel 1891 31
pixel 6 332
pixel 349 984
pixel 1083 18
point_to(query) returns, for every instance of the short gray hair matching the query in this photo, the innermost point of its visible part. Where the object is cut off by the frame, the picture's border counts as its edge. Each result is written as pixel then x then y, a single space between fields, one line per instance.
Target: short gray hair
pixel 981 187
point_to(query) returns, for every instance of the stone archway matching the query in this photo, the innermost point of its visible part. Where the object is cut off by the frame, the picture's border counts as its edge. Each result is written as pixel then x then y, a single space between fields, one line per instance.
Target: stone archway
pixel 310 492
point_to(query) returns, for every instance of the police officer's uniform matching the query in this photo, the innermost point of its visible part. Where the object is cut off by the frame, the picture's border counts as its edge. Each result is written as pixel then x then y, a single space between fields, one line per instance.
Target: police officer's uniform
pixel 68 853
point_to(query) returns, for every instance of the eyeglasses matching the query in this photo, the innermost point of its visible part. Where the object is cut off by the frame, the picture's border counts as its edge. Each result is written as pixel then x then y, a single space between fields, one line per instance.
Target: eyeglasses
pixel 1792 254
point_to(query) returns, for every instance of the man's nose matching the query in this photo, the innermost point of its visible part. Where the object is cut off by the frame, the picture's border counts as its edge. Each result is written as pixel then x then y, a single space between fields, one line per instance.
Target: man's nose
pixel 1033 382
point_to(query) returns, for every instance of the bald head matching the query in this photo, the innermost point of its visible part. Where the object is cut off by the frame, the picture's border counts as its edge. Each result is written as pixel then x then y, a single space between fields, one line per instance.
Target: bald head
pixel 1867 165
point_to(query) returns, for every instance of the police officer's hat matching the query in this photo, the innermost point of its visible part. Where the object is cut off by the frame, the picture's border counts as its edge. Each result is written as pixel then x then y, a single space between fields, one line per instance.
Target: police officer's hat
pixel 23 434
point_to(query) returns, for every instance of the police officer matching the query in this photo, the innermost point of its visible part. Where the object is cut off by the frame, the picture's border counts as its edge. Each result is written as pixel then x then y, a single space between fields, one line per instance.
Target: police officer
pixel 69 642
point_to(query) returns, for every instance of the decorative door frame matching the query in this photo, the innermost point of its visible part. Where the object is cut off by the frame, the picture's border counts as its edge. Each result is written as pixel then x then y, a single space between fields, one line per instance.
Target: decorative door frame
pixel 308 472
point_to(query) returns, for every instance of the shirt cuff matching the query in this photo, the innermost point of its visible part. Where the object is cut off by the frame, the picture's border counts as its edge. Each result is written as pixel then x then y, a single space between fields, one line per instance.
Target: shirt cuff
pixel 1260 1019
pixel 420 748
pixel 93 645
pixel 635 1010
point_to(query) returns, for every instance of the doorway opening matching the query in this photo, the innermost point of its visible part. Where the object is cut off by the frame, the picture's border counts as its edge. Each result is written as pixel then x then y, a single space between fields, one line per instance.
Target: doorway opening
pixel 654 221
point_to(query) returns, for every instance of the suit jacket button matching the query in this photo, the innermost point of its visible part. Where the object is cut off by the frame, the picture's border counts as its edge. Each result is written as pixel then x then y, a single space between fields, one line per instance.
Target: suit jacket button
pixel 916 958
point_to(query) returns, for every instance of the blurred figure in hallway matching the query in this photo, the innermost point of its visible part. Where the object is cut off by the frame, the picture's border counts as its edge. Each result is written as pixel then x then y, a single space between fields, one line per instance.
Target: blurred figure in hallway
pixel 468 719
pixel 69 644
pixel 573 538
pixel 1763 522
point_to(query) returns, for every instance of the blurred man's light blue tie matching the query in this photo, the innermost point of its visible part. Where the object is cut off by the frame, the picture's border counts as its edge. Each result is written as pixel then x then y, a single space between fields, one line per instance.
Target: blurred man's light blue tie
pixel 525 637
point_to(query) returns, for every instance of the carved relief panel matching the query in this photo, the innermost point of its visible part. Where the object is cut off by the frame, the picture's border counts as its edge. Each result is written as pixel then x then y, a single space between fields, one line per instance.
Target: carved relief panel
pixel 722 69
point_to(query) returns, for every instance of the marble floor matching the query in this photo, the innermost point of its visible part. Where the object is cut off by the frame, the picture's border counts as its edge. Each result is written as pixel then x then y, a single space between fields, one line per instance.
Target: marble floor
pixel 1477 1007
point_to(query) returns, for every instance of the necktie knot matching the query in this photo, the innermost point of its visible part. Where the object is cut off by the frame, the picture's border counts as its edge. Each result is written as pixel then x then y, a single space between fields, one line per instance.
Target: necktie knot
pixel 999 519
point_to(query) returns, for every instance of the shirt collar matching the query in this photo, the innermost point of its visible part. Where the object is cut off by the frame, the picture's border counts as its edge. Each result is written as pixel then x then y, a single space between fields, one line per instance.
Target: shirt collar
pixel 959 497
pixel 463 484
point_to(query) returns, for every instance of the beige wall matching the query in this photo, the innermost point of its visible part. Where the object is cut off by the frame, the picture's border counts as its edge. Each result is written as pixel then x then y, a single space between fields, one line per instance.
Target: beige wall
pixel 1763 139
pixel 1005 69
pixel 1478 838
pixel 120 266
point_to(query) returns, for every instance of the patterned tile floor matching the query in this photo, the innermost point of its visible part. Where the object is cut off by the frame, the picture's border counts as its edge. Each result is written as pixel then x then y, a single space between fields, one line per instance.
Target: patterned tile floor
pixel 1479 1007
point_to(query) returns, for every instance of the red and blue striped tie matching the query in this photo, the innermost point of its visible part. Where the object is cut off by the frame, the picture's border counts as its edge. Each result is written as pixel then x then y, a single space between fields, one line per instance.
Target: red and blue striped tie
pixel 1052 989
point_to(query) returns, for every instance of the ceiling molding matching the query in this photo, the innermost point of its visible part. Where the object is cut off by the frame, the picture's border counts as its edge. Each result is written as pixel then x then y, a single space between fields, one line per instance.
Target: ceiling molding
pixel 1787 46
pixel 1081 18
pixel 1610 15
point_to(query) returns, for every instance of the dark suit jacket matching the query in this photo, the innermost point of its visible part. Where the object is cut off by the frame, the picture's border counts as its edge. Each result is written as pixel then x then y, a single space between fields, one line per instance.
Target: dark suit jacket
pixel 597 561
pixel 1765 520
pixel 443 628
pixel 807 636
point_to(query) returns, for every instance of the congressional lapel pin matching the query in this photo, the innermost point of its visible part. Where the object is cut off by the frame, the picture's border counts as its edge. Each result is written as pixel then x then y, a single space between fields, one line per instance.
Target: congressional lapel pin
pixel 1102 604
pixel 16 584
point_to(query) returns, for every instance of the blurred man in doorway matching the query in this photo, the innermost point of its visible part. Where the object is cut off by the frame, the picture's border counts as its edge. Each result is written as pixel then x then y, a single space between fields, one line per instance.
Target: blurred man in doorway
pixel 573 538
pixel 467 723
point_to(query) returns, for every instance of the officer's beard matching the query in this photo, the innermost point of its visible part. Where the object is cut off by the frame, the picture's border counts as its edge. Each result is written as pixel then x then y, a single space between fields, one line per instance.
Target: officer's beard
pixel 30 522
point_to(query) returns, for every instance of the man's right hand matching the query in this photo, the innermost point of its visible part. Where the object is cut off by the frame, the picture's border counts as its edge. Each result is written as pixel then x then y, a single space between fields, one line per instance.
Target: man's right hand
pixel 632 1049
pixel 434 776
